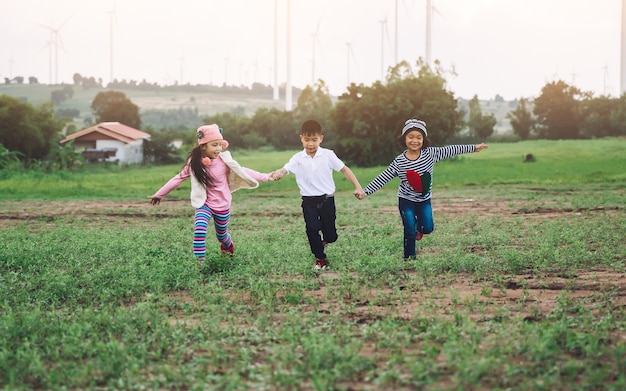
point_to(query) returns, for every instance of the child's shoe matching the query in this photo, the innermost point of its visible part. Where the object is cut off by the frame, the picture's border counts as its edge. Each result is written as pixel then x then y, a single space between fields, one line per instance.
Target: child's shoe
pixel 321 264
pixel 228 251
pixel 419 236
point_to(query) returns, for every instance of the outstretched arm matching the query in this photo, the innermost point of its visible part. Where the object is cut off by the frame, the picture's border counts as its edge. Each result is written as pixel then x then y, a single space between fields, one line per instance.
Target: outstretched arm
pixel 480 147
pixel 358 190
pixel 173 183
pixel 261 177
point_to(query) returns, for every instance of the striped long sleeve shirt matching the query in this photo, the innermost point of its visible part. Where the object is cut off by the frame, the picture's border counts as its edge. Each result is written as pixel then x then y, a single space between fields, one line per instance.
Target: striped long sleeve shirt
pixel 416 175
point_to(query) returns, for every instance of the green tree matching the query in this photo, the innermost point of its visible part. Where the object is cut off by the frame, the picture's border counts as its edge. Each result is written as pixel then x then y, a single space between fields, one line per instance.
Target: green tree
pixel 278 128
pixel 480 125
pixel 159 148
pixel 114 106
pixel 521 120
pixel 368 120
pixel 556 110
pixel 618 116
pixel 596 114
pixel 8 158
pixel 314 103
pixel 26 129
pixel 234 128
pixel 65 156
pixel 58 96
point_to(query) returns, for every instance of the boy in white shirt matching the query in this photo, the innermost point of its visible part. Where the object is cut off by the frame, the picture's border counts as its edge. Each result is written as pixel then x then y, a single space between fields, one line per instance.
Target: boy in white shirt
pixel 313 168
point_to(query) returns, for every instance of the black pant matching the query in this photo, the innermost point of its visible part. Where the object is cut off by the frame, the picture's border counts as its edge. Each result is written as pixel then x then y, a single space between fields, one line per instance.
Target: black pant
pixel 319 215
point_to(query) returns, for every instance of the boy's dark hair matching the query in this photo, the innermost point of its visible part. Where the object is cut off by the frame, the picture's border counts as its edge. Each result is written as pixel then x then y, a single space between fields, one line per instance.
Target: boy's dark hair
pixel 402 139
pixel 311 128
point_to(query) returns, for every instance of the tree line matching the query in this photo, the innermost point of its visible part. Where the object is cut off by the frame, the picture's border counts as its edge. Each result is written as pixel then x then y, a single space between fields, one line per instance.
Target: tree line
pixel 361 125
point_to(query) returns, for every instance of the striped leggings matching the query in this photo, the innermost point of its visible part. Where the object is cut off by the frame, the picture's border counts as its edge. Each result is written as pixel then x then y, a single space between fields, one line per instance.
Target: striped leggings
pixel 201 223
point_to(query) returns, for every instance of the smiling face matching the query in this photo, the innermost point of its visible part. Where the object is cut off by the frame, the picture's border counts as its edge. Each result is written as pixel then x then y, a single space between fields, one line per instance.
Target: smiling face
pixel 311 142
pixel 211 149
pixel 414 140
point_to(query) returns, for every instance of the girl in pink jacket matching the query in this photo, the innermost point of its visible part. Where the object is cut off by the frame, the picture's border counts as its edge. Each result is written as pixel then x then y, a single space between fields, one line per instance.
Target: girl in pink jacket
pixel 214 176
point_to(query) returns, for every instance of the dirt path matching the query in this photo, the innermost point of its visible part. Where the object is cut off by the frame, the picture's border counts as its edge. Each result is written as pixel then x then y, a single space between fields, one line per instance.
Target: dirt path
pixel 528 296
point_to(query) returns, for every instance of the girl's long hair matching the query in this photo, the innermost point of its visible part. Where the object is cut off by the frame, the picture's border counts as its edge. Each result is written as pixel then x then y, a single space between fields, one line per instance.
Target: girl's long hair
pixel 194 159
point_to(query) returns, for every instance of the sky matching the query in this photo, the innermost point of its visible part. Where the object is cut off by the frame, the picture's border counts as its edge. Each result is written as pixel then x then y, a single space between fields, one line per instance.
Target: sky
pixel 510 48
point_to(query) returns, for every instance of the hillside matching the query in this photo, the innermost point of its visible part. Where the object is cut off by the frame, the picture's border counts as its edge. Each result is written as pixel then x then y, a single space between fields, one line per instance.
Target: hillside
pixel 206 103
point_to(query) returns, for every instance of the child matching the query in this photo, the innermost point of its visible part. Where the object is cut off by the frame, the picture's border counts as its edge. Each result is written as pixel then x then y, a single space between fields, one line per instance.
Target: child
pixel 414 167
pixel 214 176
pixel 313 168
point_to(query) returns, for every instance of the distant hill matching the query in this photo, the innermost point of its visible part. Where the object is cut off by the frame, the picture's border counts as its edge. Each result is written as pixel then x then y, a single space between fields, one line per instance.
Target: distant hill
pixel 207 103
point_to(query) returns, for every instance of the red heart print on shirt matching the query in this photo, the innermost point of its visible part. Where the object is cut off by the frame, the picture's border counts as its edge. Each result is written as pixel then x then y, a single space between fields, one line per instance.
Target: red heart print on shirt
pixel 419 183
pixel 414 180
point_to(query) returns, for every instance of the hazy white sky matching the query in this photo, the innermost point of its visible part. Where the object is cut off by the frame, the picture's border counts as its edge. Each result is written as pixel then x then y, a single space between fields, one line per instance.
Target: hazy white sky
pixel 506 47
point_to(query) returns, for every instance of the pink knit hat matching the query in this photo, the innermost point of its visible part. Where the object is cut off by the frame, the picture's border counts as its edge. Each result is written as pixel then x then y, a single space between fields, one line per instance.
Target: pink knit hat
pixel 208 133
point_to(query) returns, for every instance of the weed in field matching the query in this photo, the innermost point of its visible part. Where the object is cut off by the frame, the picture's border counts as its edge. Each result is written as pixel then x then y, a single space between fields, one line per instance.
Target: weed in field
pixel 509 292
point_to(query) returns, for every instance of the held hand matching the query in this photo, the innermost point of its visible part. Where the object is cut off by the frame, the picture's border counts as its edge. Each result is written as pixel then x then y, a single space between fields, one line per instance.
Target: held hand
pixel 276 175
pixel 481 146
pixel 154 200
pixel 359 194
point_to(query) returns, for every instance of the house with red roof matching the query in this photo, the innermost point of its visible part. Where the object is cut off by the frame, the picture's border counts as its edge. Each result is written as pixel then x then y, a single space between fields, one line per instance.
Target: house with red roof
pixel 110 141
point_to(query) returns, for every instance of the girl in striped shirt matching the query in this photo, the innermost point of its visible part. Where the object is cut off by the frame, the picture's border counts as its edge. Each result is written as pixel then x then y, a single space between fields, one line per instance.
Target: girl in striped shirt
pixel 414 167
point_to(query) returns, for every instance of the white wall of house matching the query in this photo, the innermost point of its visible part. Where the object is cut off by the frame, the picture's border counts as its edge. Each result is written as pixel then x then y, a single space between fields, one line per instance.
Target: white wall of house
pixel 126 153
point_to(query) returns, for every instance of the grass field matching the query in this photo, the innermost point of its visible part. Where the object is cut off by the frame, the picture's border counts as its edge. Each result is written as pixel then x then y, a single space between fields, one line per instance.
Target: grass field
pixel 521 286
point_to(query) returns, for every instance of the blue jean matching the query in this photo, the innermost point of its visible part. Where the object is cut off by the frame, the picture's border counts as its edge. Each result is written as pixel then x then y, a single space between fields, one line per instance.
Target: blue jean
pixel 416 217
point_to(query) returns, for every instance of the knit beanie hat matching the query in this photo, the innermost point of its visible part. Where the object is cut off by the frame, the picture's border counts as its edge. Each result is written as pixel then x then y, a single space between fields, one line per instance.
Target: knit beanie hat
pixel 208 133
pixel 414 124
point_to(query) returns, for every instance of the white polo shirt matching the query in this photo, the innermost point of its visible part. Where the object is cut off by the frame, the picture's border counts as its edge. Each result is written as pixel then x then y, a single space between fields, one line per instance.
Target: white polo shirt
pixel 314 175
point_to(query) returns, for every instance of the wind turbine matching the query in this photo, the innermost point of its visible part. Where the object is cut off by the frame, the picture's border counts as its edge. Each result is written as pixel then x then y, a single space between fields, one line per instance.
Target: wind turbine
pixel 276 94
pixel 429 17
pixel 112 15
pixel 383 30
pixel 430 9
pixel 395 48
pixel 606 80
pixel 225 71
pixel 350 54
pixel 316 42
pixel 623 51
pixel 395 52
pixel 48 46
pixel 55 40
pixel 348 51
pixel 288 92
pixel 256 71
pixel 181 61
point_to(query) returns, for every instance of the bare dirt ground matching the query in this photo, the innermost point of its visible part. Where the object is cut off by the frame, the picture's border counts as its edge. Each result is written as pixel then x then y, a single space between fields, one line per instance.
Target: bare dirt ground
pixel 11 211
pixel 530 297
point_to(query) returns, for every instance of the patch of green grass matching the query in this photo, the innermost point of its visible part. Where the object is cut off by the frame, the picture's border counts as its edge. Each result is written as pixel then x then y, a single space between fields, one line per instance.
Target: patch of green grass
pixel 112 298
pixel 561 166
